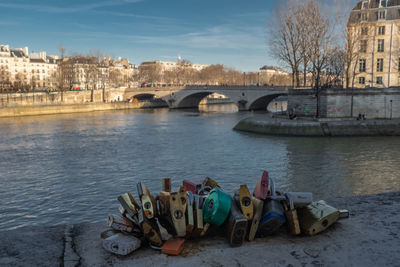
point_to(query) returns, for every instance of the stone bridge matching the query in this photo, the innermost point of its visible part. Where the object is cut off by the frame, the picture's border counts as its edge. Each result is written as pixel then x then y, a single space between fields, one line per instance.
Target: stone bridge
pixel 245 97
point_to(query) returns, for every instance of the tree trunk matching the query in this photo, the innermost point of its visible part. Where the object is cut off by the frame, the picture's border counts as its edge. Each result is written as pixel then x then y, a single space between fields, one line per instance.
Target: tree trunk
pixel 91 95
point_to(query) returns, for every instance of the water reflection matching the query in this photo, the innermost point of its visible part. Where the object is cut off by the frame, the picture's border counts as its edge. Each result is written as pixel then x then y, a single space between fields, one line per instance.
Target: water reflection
pixel 221 108
pixel 70 168
pixel 343 166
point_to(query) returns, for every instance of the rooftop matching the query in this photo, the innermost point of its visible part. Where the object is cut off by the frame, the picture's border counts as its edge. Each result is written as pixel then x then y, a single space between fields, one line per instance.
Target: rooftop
pixel 369 11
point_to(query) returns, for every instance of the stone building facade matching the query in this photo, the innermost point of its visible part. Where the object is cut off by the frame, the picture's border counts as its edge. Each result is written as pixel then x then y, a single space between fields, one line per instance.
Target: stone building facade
pixel 374 35
pixel 171 65
pixel 19 69
pixel 83 73
pixel 272 75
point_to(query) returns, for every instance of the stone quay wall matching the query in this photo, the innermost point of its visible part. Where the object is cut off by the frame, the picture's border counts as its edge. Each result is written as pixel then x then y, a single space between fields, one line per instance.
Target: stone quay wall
pixel 374 103
pixel 73 108
pixel 52 98
pixel 318 128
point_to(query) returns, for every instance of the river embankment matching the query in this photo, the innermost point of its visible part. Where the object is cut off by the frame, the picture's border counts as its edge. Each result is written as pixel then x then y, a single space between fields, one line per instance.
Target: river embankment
pixel 370 237
pixel 32 110
pixel 282 126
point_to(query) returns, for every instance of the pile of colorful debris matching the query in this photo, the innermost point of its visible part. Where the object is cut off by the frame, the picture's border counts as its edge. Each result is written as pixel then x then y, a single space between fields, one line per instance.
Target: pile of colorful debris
pixel 200 205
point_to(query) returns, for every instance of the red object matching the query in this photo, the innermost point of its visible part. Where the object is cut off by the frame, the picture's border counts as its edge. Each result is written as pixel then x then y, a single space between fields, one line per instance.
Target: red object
pixel 262 190
pixel 193 185
pixel 173 246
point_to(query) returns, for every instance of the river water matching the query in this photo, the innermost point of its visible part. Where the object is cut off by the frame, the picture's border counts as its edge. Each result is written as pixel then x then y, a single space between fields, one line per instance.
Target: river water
pixel 71 168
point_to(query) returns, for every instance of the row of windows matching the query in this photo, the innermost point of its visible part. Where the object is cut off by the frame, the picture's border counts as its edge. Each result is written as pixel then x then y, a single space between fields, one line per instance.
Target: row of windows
pixel 381 14
pixel 379 80
pixel 381 30
pixel 382 3
pixel 379 65
pixel 364 45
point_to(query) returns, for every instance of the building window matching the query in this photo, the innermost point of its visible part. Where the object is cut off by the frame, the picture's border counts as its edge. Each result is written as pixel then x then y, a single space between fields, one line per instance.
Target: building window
pixel 379 80
pixel 363 46
pixel 382 14
pixel 362 65
pixel 364 31
pixel 381 45
pixel 379 65
pixel 365 5
pixel 364 17
pixel 383 3
pixel 361 80
pixel 398 65
pixel 381 30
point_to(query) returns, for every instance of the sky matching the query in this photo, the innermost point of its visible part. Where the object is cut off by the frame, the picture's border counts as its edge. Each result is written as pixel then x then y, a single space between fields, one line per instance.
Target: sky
pixel 229 32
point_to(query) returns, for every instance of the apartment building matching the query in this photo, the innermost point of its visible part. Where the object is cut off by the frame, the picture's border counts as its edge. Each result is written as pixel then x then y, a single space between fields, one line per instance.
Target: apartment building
pixel 374 44
pixel 270 75
pixel 19 69
pixel 171 65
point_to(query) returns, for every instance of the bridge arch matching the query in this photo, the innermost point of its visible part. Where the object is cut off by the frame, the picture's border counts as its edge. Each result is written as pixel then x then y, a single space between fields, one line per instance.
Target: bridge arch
pixel 144 96
pixel 262 103
pixel 193 100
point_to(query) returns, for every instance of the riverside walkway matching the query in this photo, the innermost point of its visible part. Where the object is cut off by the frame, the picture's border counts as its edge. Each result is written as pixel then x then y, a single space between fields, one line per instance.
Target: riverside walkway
pixel 370 237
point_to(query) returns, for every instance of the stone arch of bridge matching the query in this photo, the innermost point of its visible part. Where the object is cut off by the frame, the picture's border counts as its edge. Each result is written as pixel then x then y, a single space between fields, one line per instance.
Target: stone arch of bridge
pixel 144 96
pixel 262 103
pixel 193 100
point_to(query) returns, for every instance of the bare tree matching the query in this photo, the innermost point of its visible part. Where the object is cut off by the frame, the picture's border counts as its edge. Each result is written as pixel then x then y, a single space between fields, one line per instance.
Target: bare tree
pixel 62 75
pixel 303 28
pixel 336 66
pixel 116 77
pixel 150 73
pixel 20 81
pixel 5 77
pixel 284 41
pixel 321 40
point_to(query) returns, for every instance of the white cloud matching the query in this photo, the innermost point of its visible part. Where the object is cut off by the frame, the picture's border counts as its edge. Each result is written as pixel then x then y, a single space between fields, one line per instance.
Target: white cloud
pixel 217 37
pixel 58 9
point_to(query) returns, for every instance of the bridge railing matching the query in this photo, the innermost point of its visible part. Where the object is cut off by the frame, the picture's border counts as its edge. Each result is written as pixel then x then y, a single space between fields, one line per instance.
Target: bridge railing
pixel 212 87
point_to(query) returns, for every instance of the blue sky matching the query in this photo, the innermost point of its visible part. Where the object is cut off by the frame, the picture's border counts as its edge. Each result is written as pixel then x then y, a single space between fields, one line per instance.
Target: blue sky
pixel 230 32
